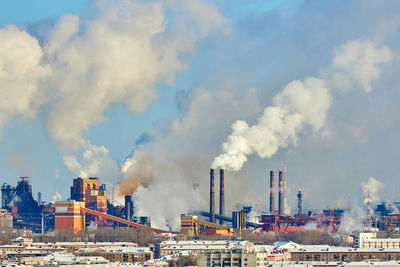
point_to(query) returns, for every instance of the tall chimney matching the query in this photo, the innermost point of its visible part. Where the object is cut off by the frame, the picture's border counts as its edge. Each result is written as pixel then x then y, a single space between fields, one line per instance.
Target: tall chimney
pixel 128 208
pixel 299 204
pixel 221 194
pixel 271 192
pixel 212 197
pixel 281 196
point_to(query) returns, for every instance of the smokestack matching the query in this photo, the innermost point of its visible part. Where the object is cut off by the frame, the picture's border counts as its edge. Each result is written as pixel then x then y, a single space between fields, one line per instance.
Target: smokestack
pixel 212 197
pixel 221 194
pixel 281 196
pixel 128 208
pixel 271 192
pixel 299 200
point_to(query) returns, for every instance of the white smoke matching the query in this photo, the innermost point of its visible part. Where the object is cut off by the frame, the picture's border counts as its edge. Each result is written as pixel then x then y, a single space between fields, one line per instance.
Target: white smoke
pixel 353 220
pixel 371 189
pixel 301 105
pixel 21 74
pixel 56 196
pixel 164 173
pixel 115 56
pixel 356 63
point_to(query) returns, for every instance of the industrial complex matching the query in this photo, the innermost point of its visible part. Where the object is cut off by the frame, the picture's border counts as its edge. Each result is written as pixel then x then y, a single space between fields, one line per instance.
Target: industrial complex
pixel 89 205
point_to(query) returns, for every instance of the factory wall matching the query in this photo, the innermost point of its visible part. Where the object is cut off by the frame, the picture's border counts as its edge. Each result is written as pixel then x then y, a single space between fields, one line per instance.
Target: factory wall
pixel 68 216
pixel 94 196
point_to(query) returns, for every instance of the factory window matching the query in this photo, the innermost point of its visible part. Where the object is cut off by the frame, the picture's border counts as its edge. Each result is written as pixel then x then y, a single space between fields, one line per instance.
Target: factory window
pixel 345 258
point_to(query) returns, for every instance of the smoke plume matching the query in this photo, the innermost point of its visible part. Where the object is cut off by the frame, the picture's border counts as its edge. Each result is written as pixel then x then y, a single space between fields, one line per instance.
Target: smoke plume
pixel 371 189
pixel 90 63
pixel 164 174
pixel 301 105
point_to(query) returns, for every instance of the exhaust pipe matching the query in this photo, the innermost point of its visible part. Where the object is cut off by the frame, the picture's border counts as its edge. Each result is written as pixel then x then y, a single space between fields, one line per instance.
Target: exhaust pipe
pixel 221 194
pixel 212 197
pixel 271 192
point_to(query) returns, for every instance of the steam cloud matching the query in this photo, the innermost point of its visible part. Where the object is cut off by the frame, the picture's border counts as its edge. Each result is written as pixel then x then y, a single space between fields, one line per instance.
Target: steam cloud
pixel 301 105
pixel 87 64
pixel 354 218
pixel 372 188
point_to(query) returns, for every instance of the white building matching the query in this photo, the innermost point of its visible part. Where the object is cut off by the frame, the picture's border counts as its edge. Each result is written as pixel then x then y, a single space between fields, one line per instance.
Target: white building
pixel 369 240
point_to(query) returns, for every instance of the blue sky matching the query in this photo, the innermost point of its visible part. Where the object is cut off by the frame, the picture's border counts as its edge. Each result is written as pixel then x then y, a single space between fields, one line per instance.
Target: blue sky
pixel 268 44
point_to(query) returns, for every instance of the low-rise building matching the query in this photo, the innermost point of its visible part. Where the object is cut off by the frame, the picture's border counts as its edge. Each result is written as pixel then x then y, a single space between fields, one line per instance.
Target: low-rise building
pixel 118 254
pixel 73 246
pixel 344 254
pixel 227 257
pixel 370 240
pixel 172 247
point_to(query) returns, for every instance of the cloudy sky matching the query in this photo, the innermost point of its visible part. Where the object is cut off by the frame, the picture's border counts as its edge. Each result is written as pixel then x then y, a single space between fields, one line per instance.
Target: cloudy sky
pixel 154 93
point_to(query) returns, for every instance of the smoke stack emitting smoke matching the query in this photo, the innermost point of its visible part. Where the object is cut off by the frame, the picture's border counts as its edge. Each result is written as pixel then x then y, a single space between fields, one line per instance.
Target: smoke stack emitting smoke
pixel 302 105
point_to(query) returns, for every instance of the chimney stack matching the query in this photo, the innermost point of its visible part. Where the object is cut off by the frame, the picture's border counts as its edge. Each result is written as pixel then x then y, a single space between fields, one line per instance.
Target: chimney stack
pixel 221 194
pixel 128 208
pixel 271 192
pixel 299 202
pixel 212 197
pixel 281 193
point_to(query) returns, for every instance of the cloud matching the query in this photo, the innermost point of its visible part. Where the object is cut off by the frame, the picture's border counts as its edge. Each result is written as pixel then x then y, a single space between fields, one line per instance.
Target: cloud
pixel 356 64
pixel 21 74
pixel 301 105
pixel 117 55
pixel 168 175
pixel 371 189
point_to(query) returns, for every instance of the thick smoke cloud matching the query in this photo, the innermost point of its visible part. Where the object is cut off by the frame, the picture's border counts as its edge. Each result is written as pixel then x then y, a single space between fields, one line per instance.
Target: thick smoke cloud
pixel 302 105
pixel 115 55
pixel 167 163
pixel 21 74
pixel 166 174
pixel 355 218
pixel 371 190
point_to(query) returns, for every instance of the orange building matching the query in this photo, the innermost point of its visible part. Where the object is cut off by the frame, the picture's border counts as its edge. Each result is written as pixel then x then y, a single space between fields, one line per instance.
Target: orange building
pixel 95 197
pixel 68 215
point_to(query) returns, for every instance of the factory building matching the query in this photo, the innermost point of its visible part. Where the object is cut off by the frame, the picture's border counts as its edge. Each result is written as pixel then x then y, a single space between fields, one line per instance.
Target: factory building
pixel 94 196
pixel 68 216
pixel 25 210
pixel 188 225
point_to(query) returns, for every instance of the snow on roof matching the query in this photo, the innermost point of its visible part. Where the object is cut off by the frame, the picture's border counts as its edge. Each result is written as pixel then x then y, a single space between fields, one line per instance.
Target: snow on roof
pixel 116 249
pixel 206 245
pixel 22 239
pixel 64 258
pixel 343 249
pixel 286 244
pixel 371 263
pixel 265 248
pixel 85 243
